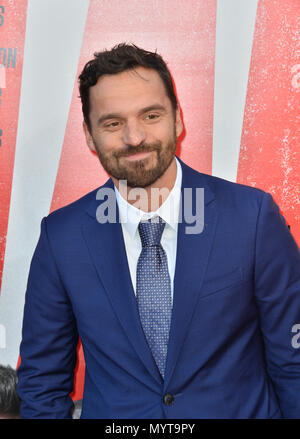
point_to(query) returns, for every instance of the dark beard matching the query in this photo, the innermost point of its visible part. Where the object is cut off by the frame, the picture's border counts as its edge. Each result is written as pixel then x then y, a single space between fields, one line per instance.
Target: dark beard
pixel 136 173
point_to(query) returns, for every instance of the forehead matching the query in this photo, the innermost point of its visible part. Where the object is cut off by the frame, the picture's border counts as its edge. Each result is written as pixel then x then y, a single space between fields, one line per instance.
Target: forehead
pixel 132 88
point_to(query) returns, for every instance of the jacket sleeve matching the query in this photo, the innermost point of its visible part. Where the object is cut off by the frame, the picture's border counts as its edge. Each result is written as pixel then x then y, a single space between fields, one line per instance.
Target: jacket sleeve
pixel 49 340
pixel 277 289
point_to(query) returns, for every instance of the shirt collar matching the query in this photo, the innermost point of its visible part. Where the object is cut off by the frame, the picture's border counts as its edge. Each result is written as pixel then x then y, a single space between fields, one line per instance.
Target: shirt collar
pixel 130 216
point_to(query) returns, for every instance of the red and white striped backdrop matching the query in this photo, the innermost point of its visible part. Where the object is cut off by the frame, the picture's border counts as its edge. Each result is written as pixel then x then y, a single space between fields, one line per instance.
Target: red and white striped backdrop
pixel 236 66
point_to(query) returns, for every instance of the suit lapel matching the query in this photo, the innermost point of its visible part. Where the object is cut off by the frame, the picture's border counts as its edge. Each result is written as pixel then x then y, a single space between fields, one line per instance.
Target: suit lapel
pixel 108 253
pixel 192 257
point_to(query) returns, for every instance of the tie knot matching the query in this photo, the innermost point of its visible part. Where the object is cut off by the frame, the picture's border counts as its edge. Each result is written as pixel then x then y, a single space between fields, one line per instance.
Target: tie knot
pixel 151 231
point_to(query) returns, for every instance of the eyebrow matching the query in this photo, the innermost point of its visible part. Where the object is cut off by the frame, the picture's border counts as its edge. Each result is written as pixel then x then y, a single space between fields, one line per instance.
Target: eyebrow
pixel 143 110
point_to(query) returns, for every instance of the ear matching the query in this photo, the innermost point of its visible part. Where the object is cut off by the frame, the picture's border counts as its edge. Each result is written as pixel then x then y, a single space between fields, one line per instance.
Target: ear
pixel 178 123
pixel 88 137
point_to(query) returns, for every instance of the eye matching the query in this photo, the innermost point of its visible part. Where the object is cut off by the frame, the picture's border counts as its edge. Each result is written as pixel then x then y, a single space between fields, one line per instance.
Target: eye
pixel 152 116
pixel 114 124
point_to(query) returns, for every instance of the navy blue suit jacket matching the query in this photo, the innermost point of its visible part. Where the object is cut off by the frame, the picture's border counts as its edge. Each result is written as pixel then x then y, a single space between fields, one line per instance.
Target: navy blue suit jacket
pixel 236 300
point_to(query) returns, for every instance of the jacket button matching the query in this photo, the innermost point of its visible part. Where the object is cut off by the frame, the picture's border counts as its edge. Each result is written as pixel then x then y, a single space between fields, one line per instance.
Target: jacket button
pixel 168 399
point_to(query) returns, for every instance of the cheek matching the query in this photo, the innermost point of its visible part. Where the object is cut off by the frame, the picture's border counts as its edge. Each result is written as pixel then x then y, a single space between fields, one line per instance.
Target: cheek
pixel 108 141
pixel 161 132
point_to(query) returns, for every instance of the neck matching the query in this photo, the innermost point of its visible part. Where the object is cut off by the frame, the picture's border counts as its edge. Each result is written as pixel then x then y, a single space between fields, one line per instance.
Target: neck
pixel 150 198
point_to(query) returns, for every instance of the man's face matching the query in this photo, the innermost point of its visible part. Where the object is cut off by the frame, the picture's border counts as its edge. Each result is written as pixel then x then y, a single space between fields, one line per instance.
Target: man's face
pixel 133 126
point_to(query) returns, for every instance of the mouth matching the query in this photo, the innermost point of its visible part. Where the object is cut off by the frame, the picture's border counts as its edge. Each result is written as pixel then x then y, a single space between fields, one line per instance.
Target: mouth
pixel 138 156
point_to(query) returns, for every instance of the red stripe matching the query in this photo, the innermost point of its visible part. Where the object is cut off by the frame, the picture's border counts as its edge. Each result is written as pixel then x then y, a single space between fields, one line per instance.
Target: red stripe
pixel 270 156
pixel 12 33
pixel 185 36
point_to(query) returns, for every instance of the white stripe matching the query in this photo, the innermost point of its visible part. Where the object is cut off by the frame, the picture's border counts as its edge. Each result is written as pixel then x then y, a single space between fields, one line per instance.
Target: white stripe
pixel 235 28
pixel 54 34
pixel 2 76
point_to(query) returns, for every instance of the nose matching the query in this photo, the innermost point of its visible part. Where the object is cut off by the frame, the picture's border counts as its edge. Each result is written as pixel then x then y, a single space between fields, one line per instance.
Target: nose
pixel 133 134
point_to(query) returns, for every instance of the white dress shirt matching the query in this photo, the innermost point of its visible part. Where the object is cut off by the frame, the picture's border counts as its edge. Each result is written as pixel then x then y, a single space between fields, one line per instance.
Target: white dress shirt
pixel 130 218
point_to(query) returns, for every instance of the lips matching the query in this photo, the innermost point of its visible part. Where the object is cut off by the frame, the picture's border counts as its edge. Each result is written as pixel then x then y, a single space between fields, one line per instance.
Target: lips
pixel 137 152
pixel 138 155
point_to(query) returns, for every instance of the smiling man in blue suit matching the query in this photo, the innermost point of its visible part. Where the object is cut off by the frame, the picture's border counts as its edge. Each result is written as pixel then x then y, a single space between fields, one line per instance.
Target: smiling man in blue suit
pixel 180 315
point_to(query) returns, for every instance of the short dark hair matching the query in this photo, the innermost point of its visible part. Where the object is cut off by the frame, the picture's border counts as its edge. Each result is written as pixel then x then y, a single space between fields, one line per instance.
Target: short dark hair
pixel 9 399
pixel 120 58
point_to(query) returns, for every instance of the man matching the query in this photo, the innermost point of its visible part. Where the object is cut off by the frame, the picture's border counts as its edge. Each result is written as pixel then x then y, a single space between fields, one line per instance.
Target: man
pixel 177 320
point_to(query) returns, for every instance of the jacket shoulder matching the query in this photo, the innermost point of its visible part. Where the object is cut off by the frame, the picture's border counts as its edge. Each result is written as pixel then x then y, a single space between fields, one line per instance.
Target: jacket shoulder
pixel 224 191
pixel 226 188
pixel 74 208
pixel 69 218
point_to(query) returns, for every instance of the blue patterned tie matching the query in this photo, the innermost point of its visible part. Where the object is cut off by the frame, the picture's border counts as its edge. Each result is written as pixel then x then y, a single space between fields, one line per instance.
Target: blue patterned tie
pixel 154 290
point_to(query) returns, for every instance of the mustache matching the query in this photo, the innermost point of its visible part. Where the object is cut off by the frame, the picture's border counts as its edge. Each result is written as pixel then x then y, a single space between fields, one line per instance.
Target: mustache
pixel 143 147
